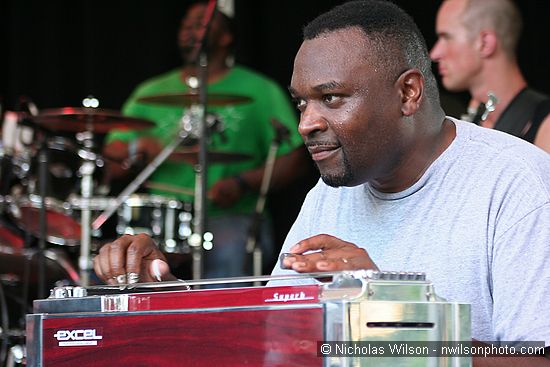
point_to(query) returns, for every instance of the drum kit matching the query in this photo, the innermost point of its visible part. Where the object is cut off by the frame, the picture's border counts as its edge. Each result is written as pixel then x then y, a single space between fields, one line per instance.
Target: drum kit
pixel 52 182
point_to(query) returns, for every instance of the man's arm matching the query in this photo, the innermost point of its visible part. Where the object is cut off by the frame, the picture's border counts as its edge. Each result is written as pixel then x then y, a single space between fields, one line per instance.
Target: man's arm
pixel 287 168
pixel 542 140
pixel 118 152
pixel 511 361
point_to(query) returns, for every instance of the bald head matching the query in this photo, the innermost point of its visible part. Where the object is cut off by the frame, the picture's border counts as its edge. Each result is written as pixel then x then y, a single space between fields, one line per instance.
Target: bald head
pixel 502 16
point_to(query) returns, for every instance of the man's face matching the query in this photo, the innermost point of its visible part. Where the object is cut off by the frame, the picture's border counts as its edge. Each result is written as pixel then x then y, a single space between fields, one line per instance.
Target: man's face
pixel 190 31
pixel 455 49
pixel 349 107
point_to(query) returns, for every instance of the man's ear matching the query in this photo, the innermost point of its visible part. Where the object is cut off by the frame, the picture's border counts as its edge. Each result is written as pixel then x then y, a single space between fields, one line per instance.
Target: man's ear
pixel 488 42
pixel 226 39
pixel 411 88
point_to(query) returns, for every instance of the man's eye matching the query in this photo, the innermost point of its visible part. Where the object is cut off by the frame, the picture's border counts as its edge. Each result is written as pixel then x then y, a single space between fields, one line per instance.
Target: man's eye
pixel 300 103
pixel 330 98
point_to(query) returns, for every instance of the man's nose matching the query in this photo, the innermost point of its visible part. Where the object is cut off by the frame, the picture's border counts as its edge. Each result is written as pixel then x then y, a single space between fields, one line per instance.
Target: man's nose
pixel 311 121
pixel 436 51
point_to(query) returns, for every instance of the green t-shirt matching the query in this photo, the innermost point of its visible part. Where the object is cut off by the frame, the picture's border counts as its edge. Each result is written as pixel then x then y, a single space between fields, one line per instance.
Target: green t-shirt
pixel 246 128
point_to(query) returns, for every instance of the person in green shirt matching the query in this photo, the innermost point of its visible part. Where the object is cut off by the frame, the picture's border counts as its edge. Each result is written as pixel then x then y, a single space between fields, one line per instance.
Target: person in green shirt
pixel 246 128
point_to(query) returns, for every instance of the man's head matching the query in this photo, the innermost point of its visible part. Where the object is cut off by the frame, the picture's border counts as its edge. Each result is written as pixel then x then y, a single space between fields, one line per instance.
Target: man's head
pixel 471 32
pixel 220 38
pixel 360 76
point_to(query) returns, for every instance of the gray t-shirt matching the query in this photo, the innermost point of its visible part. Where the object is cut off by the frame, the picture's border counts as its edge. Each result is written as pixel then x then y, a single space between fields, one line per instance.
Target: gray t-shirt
pixel 477 222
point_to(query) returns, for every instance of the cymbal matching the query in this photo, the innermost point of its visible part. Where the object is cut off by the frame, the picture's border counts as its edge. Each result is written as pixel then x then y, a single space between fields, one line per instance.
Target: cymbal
pixel 189 99
pixel 191 155
pixel 80 119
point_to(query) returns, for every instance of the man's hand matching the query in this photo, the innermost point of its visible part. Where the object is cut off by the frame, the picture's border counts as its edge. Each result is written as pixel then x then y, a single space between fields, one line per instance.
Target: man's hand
pixel 225 192
pixel 118 262
pixel 330 254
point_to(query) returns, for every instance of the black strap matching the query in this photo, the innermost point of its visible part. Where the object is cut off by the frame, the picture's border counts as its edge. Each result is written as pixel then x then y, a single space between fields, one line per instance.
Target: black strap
pixel 523 116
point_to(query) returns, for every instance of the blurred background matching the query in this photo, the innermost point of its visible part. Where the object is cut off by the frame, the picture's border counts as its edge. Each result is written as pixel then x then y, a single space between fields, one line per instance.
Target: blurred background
pixel 57 52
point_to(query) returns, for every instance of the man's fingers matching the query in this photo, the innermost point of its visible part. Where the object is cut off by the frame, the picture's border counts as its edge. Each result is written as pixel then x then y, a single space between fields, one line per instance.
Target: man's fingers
pixel 126 259
pixel 318 242
pixel 326 253
pixel 134 256
pixel 107 264
pixel 117 258
pixel 318 263
pixel 159 270
pixel 289 259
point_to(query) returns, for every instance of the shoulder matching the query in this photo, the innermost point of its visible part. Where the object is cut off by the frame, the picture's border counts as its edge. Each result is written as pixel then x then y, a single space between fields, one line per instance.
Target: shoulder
pixel 249 75
pixel 505 159
pixel 542 139
pixel 161 81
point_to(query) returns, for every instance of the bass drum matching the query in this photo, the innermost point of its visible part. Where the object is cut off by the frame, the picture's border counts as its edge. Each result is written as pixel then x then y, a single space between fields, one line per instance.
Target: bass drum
pixel 167 220
pixel 19 286
pixel 61 229
pixel 9 236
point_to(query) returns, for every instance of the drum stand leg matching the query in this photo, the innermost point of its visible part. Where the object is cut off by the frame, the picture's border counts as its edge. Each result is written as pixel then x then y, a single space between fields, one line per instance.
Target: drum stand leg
pixel 84 261
pixel 87 185
pixel 16 356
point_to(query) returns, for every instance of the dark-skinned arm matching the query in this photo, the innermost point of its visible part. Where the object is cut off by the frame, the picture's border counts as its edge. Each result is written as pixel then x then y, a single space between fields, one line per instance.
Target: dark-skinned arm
pixel 287 168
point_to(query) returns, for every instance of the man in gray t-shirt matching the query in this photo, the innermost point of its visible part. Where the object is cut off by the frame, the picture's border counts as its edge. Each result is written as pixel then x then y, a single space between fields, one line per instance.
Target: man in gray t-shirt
pixel 403 187
pixel 477 222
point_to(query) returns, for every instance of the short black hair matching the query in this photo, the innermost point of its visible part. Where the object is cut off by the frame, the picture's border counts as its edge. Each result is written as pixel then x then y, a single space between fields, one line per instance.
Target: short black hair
pixel 227 23
pixel 394 34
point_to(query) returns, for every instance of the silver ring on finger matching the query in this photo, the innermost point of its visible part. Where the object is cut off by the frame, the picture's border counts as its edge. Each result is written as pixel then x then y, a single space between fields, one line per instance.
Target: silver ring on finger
pixel 344 260
pixel 120 279
pixel 132 278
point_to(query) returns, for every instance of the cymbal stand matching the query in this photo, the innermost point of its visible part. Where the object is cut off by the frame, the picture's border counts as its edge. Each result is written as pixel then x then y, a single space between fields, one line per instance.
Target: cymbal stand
pixel 86 170
pixel 252 248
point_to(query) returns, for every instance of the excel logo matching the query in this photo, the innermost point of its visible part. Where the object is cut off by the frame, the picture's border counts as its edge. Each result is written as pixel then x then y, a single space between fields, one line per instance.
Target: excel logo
pixel 77 337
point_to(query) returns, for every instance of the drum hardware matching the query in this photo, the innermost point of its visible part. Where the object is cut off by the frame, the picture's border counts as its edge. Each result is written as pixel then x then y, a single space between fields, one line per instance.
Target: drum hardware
pixel 86 170
pixel 43 161
pixel 167 221
pixel 19 284
pixel 169 188
pixel 61 228
pixel 16 356
pixel 188 130
pixel 87 119
pixel 85 122
pixel 252 248
pixel 9 237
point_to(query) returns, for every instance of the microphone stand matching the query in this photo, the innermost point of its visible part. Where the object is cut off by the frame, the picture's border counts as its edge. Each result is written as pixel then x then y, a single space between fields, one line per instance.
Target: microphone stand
pixel 252 248
pixel 201 169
